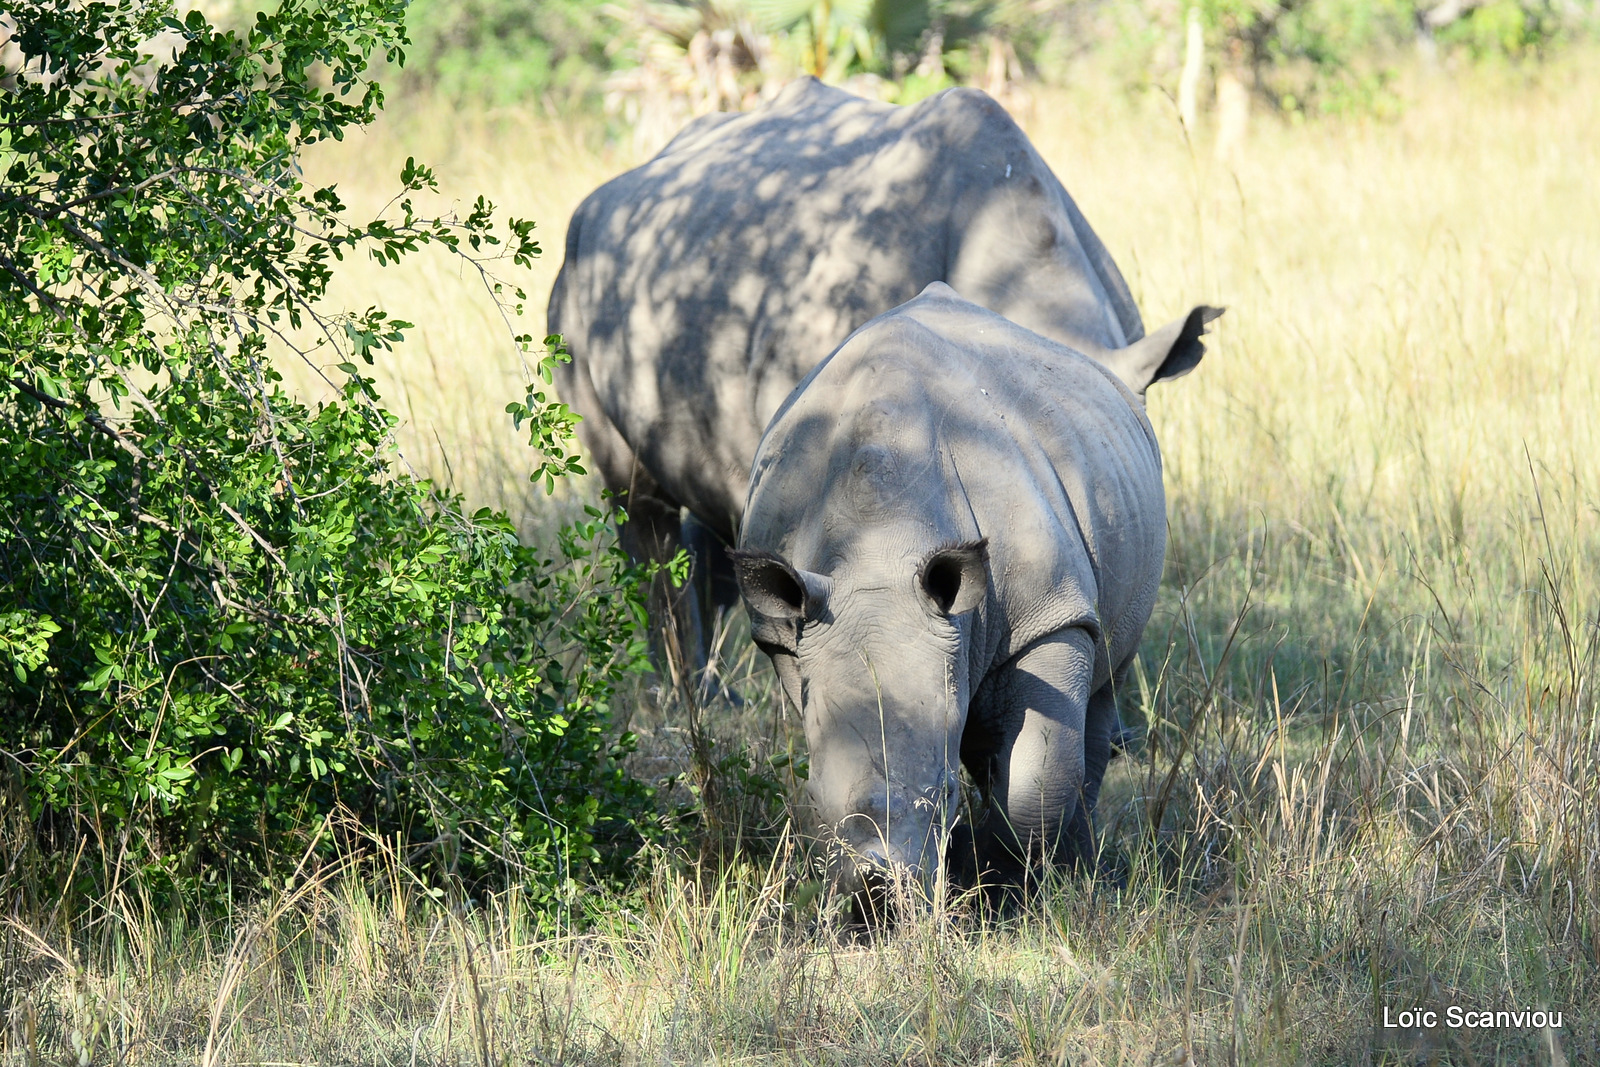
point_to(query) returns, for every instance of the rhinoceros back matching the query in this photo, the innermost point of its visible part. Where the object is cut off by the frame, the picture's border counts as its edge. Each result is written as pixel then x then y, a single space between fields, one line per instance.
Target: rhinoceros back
pixel 700 287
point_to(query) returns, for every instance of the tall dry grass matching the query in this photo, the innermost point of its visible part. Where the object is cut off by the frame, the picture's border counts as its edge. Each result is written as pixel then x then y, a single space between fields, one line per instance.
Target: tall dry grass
pixel 1373 764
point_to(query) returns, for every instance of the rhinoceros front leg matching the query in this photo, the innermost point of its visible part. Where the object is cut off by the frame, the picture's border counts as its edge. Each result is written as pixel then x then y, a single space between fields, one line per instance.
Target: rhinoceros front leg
pixel 1037 745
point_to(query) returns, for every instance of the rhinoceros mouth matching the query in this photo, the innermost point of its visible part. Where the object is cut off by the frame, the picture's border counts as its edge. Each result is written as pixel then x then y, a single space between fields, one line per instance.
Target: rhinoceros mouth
pixel 890 874
pixel 877 884
pixel 881 892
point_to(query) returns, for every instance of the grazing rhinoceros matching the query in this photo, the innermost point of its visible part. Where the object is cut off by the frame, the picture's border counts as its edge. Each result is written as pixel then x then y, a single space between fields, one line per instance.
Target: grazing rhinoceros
pixel 700 287
pixel 951 545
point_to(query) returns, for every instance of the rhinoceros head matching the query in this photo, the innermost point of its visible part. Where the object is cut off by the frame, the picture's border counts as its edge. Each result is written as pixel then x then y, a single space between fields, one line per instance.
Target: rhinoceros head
pixel 870 647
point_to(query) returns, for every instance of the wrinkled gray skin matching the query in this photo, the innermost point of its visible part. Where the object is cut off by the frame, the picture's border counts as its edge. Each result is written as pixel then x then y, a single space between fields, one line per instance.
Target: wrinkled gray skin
pixel 951 545
pixel 698 289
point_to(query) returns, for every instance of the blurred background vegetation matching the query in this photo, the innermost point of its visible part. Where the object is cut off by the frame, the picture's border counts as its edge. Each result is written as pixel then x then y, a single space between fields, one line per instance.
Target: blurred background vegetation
pixel 633 58
pixel 661 61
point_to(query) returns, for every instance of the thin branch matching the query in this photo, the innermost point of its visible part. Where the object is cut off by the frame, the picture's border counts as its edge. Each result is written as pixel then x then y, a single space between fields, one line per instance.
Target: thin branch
pixel 93 418
pixel 28 283
pixel 250 530
pixel 104 194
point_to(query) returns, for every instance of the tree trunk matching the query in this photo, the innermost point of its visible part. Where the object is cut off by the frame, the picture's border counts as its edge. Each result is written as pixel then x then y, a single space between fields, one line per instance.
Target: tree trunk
pixel 1193 69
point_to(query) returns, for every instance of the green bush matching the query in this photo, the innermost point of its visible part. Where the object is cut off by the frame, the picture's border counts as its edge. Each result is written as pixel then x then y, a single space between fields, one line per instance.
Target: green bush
pixel 1337 56
pixel 836 38
pixel 229 620
pixel 1512 28
pixel 508 51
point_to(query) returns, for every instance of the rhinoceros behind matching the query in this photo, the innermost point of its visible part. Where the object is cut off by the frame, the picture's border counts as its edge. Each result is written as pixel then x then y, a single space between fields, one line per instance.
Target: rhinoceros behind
pixel 698 289
pixel 951 545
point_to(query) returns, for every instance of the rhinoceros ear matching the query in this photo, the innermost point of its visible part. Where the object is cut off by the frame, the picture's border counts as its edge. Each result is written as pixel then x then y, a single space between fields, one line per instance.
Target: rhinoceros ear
pixel 956 578
pixel 775 588
pixel 1170 352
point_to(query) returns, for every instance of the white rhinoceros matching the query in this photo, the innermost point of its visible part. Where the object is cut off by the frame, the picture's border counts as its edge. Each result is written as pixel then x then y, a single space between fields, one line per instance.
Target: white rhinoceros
pixel 952 542
pixel 699 288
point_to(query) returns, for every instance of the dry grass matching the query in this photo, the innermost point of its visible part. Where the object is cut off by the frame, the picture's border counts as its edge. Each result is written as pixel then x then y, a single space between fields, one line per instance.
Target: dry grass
pixel 1373 778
